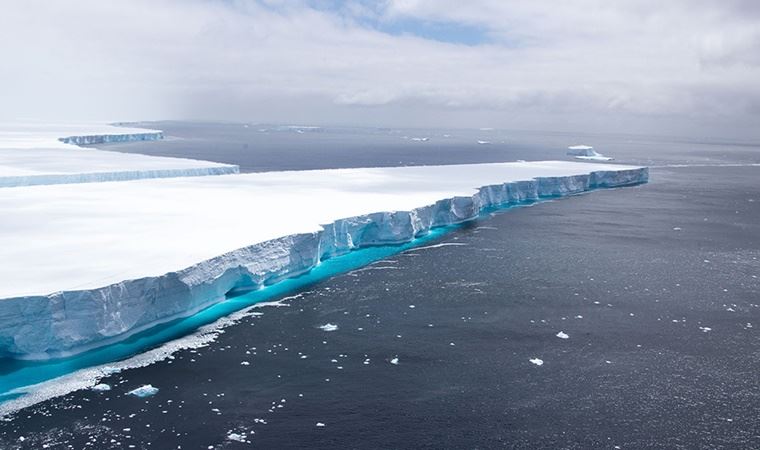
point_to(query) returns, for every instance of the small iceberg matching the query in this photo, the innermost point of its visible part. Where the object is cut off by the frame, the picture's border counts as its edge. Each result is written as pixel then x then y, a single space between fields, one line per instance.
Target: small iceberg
pixel 563 335
pixel 483 142
pixel 537 361
pixel 144 391
pixel 586 152
pixel 237 437
pixel 102 387
pixel 328 327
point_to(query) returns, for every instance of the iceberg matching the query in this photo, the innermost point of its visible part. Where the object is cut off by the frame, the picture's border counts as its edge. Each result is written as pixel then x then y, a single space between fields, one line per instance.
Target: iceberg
pixel 85 265
pixel 586 152
pixel 35 154
pixel 144 391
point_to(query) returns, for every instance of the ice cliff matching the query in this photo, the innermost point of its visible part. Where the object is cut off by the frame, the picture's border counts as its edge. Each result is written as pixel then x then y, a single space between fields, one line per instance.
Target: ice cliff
pixel 33 155
pixel 119 175
pixel 71 321
pixel 93 139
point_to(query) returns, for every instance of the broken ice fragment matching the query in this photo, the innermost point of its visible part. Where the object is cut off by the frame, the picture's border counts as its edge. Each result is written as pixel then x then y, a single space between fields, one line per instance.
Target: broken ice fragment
pixel 144 391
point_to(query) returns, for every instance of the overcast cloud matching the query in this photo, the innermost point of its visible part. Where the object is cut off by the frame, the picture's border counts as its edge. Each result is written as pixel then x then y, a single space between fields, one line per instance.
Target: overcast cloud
pixel 671 67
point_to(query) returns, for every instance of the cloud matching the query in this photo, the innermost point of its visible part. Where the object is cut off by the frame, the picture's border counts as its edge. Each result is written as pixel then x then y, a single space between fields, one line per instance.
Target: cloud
pixel 415 62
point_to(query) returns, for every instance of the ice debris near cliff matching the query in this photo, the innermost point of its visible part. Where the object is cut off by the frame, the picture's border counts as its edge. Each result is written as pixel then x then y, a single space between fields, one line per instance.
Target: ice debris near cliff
pixel 586 152
pixel 86 264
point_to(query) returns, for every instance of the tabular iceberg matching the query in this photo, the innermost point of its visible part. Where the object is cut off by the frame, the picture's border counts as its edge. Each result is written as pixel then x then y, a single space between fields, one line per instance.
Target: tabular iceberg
pixel 90 306
pixel 586 152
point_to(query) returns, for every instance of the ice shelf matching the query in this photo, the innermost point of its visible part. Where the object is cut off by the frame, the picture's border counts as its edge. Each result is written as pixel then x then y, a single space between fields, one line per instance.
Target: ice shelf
pixel 39 154
pixel 86 264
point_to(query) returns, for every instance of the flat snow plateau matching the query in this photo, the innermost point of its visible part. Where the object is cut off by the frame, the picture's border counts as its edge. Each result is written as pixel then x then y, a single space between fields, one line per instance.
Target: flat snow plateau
pixel 35 154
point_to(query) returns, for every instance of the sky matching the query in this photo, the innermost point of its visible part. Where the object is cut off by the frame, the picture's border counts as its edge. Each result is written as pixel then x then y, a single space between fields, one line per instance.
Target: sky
pixel 672 67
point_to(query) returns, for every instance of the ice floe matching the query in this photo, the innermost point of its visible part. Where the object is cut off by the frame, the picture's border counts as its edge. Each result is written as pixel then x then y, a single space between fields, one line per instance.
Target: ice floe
pixel 146 390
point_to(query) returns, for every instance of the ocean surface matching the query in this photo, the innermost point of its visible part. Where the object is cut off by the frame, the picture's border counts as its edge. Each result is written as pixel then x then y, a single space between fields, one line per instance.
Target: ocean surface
pixel 643 305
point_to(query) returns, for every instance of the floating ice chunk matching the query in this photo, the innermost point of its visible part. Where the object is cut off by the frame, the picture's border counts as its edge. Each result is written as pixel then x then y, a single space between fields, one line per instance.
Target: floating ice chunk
pixel 563 335
pixel 102 387
pixel 483 142
pixel 705 329
pixel 245 363
pixel 144 391
pixel 236 437
pixel 394 361
pixel 537 361
pixel 419 139
pixel 320 424
pixel 328 327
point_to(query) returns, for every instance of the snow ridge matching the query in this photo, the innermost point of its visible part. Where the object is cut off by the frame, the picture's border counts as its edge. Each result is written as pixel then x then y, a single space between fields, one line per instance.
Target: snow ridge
pixel 65 323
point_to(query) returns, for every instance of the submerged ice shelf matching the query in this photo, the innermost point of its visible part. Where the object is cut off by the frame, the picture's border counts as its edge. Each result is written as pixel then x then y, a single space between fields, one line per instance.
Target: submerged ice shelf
pixel 40 154
pixel 83 265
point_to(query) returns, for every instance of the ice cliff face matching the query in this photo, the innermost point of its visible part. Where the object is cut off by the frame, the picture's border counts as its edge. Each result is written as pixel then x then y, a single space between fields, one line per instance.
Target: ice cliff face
pixel 108 138
pixel 74 321
pixel 35 159
pixel 121 175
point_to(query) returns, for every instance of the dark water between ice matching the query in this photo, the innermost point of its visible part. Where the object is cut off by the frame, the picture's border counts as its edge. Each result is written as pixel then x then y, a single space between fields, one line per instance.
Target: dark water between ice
pixel 656 286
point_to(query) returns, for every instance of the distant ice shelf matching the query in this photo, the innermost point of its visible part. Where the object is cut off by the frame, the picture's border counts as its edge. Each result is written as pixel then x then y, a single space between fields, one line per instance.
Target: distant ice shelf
pixel 82 265
pixel 41 154
pixel 93 139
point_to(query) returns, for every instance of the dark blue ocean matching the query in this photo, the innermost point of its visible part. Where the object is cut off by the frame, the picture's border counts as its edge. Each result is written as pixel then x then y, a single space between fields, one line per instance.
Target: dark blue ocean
pixel 655 288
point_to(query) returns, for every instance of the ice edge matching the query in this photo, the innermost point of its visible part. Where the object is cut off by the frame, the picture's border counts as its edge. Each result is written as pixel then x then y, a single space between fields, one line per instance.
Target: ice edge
pixel 122 175
pixel 70 322
pixel 91 139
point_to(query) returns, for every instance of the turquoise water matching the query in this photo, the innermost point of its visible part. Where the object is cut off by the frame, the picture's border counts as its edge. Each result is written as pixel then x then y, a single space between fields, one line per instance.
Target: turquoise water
pixel 16 374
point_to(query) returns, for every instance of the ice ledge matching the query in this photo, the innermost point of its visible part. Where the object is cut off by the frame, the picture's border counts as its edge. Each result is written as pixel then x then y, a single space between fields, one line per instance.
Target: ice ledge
pixel 67 322
pixel 124 175
pixel 37 154
pixel 93 139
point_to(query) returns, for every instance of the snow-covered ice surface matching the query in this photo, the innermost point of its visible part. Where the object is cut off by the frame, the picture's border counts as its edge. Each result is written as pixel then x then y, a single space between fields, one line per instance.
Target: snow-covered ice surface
pixel 38 154
pixel 86 264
